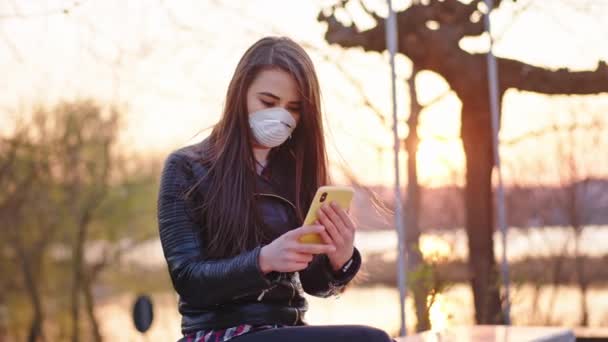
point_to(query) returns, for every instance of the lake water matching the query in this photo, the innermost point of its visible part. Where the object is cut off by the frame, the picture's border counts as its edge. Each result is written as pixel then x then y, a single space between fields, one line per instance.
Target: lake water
pixel 376 306
pixel 379 306
pixel 452 244
pixel 535 242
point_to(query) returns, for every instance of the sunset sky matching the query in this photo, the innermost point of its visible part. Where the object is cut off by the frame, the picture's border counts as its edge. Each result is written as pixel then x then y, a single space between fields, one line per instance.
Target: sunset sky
pixel 169 64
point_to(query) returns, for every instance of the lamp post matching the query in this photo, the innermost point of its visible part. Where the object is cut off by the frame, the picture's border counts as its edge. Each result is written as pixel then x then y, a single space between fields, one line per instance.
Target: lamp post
pixel 391 43
pixel 500 194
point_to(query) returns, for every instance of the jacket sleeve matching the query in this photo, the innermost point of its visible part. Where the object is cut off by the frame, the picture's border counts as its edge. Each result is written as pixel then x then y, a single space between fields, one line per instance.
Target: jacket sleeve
pixel 198 281
pixel 320 280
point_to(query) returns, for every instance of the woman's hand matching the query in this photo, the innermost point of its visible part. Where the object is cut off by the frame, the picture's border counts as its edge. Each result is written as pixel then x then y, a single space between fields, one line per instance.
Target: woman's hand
pixel 287 254
pixel 339 231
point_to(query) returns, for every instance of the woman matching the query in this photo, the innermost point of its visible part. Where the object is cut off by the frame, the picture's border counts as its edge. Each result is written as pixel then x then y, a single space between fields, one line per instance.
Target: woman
pixel 230 211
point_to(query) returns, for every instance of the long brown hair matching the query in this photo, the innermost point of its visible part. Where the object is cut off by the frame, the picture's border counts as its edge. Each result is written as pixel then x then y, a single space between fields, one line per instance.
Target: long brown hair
pixel 228 205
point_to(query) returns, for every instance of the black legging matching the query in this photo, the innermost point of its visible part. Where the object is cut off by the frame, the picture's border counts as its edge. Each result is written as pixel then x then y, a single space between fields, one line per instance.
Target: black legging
pixel 319 333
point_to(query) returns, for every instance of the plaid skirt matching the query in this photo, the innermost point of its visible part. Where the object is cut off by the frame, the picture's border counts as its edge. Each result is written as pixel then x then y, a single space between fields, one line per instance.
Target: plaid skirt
pixel 221 335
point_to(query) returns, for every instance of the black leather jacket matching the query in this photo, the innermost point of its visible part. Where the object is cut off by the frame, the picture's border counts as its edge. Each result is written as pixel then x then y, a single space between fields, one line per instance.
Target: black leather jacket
pixel 227 292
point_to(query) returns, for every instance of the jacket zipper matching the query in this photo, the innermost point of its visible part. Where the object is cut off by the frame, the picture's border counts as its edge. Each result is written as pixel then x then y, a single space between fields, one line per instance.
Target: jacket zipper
pixel 277 196
pixel 293 289
pixel 243 295
pixel 293 294
pixel 264 292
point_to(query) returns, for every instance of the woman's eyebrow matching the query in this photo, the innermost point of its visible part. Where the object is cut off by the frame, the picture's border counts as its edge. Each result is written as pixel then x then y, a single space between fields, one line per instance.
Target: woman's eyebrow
pixel 270 94
pixel 278 98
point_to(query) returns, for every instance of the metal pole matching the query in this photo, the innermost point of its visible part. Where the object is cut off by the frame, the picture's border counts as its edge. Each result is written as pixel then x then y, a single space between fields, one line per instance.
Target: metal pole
pixel 500 200
pixel 391 43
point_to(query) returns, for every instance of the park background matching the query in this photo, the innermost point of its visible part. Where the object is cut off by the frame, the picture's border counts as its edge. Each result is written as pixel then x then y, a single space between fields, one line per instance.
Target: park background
pixel 95 94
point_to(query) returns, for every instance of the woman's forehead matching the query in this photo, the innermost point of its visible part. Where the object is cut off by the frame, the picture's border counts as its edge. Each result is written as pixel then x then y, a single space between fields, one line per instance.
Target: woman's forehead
pixel 277 82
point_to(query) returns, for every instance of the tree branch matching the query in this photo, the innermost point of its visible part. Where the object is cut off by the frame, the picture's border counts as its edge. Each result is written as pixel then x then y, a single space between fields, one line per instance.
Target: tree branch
pixel 522 76
pixel 438 50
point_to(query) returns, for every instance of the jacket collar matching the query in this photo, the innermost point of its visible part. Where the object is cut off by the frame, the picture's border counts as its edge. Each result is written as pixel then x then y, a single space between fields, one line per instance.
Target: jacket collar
pixel 274 179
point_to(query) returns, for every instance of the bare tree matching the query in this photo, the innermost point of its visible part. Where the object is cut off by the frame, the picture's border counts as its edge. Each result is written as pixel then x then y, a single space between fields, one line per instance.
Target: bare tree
pixel 581 199
pixel 85 142
pixel 24 171
pixel 576 201
pixel 56 169
pixel 430 33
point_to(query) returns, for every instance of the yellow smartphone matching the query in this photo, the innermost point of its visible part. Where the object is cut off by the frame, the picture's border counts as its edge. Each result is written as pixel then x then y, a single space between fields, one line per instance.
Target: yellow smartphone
pixel 342 195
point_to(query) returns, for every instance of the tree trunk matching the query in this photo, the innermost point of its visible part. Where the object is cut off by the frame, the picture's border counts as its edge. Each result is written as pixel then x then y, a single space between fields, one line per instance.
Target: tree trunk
pixel 35 331
pixel 477 141
pixel 555 282
pixel 581 279
pixel 87 290
pixel 412 209
pixel 78 267
pixel 3 316
pixel 31 285
pixel 77 284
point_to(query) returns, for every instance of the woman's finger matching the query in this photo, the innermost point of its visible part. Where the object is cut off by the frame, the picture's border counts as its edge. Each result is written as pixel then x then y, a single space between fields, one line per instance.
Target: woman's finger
pixel 313 248
pixel 310 229
pixel 333 215
pixel 300 257
pixel 348 222
pixel 336 219
pixel 326 238
pixel 330 228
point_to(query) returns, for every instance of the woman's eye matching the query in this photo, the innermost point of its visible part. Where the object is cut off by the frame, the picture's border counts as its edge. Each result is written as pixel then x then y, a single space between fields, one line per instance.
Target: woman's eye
pixel 267 104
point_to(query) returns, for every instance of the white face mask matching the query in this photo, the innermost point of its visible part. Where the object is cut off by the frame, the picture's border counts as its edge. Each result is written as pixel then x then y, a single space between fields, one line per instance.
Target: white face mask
pixel 271 126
